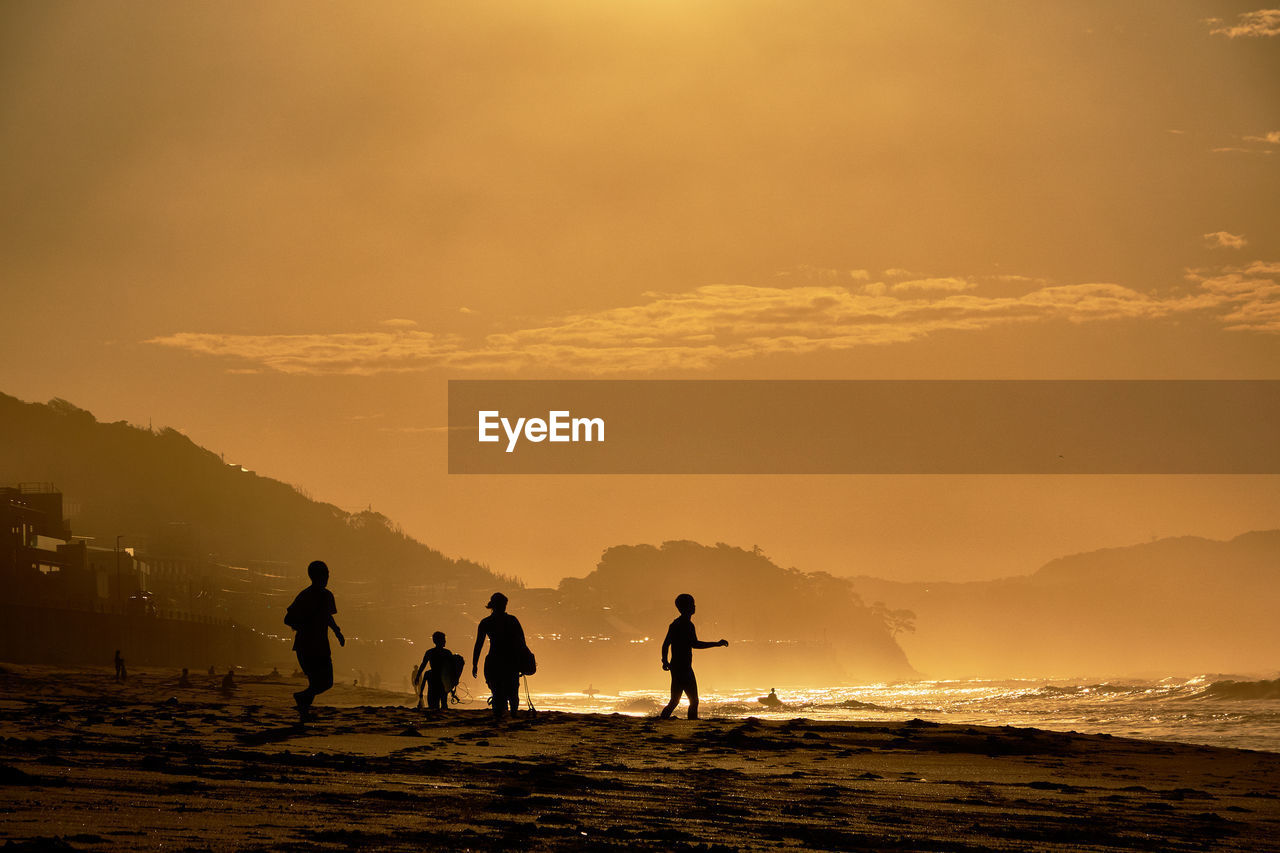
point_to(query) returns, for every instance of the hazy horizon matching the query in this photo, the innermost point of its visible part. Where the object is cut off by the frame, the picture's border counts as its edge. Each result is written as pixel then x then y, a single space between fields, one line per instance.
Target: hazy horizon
pixel 284 240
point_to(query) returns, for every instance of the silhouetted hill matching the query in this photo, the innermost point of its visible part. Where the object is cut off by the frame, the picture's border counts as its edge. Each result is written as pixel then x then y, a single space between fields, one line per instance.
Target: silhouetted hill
pixel 173 498
pixel 785 626
pixel 1180 605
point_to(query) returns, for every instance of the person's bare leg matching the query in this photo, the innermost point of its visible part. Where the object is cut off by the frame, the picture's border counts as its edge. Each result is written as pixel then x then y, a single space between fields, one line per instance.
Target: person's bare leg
pixel 676 692
pixel 692 690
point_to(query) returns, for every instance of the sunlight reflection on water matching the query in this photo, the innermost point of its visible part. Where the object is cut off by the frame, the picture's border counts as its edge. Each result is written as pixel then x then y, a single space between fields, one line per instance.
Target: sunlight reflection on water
pixel 1169 709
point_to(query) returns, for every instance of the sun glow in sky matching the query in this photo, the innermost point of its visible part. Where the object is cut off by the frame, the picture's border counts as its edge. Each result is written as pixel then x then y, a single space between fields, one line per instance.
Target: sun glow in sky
pixel 282 228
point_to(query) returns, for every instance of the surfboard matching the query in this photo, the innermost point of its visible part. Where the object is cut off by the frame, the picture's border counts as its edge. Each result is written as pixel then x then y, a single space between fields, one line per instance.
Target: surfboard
pixel 450 677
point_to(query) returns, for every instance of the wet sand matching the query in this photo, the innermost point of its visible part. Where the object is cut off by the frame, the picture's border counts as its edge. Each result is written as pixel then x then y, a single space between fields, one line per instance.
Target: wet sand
pixel 86 764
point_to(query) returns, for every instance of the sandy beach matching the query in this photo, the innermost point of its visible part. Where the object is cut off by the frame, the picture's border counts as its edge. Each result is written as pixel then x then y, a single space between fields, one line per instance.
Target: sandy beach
pixel 88 764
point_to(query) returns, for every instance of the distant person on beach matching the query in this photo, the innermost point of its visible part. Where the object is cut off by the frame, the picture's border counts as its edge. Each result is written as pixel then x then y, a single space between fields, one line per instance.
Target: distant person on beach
pixel 184 680
pixel 311 615
pixel 681 640
pixel 229 680
pixel 507 649
pixel 438 674
pixel 121 672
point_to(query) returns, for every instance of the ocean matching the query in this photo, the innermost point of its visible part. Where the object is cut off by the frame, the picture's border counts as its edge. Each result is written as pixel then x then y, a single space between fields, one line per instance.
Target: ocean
pixel 1203 710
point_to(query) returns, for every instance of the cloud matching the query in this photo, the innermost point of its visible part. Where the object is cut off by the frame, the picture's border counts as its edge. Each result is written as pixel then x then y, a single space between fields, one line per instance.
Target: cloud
pixel 1225 240
pixel 710 325
pixel 359 353
pixel 1259 24
pixel 954 284
pixel 1250 295
pixel 400 323
pixel 1270 138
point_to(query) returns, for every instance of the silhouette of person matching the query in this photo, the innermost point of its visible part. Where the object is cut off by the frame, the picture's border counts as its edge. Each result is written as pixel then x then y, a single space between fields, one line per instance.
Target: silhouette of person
pixel 440 678
pixel 229 680
pixel 506 648
pixel 311 615
pixel 681 640
pixel 184 680
pixel 772 700
pixel 120 670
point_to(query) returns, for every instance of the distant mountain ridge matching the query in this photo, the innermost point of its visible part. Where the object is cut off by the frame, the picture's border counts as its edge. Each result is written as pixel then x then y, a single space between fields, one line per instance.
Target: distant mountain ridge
pixel 1177 605
pixel 175 499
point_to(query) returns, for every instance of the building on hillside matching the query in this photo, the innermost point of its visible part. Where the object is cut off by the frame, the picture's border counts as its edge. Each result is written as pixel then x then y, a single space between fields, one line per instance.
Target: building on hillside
pixel 33 533
pixel 41 563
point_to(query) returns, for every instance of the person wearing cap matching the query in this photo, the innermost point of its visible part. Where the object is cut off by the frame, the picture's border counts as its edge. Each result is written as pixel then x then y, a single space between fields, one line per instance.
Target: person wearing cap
pixel 502 664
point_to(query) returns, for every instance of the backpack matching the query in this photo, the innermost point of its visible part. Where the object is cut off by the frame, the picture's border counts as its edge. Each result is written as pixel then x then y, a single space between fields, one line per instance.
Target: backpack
pixel 528 663
pixel 291 618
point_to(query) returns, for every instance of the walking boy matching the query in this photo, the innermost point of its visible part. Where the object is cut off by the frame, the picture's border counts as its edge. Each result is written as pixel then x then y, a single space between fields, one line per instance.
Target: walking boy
pixel 311 615
pixel 681 640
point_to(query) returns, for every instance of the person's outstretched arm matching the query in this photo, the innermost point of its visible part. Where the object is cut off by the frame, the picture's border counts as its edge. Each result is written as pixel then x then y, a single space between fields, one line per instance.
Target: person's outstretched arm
pixel 699 644
pixel 475 654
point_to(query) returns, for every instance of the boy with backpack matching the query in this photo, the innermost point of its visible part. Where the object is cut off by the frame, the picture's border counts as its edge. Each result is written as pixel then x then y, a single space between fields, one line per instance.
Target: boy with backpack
pixel 311 615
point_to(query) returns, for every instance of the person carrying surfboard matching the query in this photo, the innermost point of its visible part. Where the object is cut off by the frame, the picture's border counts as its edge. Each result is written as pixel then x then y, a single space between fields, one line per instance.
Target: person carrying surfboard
pixel 439 674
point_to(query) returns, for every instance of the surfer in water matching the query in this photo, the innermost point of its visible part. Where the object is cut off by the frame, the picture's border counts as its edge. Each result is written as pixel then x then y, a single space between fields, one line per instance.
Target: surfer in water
pixel 438 674
pixel 681 640
pixel 772 700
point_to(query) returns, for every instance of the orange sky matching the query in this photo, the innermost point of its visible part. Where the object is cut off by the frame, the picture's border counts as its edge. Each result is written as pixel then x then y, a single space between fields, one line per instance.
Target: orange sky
pixel 281 228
